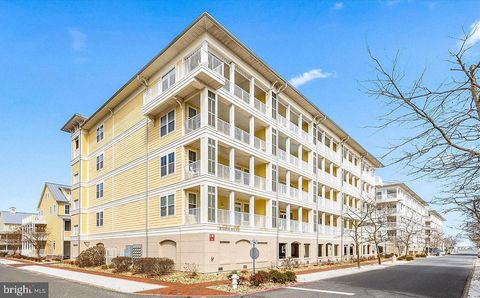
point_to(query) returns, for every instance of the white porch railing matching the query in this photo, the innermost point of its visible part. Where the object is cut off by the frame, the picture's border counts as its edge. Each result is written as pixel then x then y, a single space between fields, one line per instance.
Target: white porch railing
pixel 223 172
pixel 259 144
pixel 242 135
pixel 305 196
pixel 259 105
pixel 305 166
pixel 193 169
pixel 192 216
pixel 223 216
pixel 282 154
pixel 227 85
pixel 294 226
pixel 242 218
pixel 306 227
pixel 259 220
pixel 294 192
pixel 192 123
pixel 282 120
pixel 240 93
pixel 282 188
pixel 260 182
pixel 294 160
pixel 242 177
pixel 282 223
pixel 305 135
pixel 223 126
pixel 294 127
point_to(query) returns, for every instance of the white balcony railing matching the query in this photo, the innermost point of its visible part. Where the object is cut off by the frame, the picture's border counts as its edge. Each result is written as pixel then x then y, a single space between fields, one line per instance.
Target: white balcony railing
pixel 242 218
pixel 259 221
pixel 294 226
pixel 76 153
pixel 305 196
pixel 282 155
pixel 193 123
pixel 223 216
pixel 305 166
pixel 282 120
pixel 259 144
pixel 282 223
pixel 192 216
pixel 294 192
pixel 227 85
pixel 223 172
pixel 260 182
pixel 306 227
pixel 242 135
pixel 294 127
pixel 223 126
pixel 294 160
pixel 282 188
pixel 240 93
pixel 242 177
pixel 305 135
pixel 259 105
pixel 192 169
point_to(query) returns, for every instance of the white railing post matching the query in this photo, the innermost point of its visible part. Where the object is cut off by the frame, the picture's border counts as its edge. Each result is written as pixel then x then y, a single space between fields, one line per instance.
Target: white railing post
pixel 231 205
pixel 252 171
pixel 232 163
pixel 300 219
pixel 287 221
pixel 232 120
pixel 252 91
pixel 232 77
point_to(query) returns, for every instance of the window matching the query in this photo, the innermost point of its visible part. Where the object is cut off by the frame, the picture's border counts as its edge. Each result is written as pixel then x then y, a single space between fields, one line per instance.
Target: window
pixel 75 178
pixel 67 209
pixel 75 204
pixel 320 250
pixel 274 105
pixel 274 214
pixel 75 230
pixel 167 164
pixel 307 250
pixel 99 133
pixel 99 190
pixel 295 250
pixel 211 156
pixel 68 226
pixel 192 201
pixel 211 203
pixel 274 177
pixel 168 80
pixel 99 219
pixel 274 141
pixel 99 161
pixel 211 108
pixel 77 143
pixel 192 156
pixel 167 123
pixel 167 205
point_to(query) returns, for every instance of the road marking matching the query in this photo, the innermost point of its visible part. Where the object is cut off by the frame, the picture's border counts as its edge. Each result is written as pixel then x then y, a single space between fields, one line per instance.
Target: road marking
pixel 322 291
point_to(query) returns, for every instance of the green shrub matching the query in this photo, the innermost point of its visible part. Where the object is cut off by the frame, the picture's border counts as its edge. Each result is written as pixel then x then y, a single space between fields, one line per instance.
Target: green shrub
pixel 3 254
pixel 121 264
pixel 153 266
pixel 409 258
pixel 93 256
pixel 291 276
pixel 401 258
pixel 259 278
pixel 278 277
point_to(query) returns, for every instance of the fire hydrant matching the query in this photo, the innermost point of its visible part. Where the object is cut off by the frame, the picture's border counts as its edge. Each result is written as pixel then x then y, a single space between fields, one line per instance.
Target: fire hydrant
pixel 235 278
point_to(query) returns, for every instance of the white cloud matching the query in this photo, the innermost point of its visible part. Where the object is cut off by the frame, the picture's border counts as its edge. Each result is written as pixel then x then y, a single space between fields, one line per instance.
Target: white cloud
pixel 338 6
pixel 308 76
pixel 79 39
pixel 474 34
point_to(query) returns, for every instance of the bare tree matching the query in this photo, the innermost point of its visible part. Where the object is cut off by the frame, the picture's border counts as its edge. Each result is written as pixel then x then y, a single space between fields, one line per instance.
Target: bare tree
pixel 358 218
pixel 36 237
pixel 377 230
pixel 13 240
pixel 442 125
pixel 451 241
pixel 409 231
pixel 435 239
pixel 472 228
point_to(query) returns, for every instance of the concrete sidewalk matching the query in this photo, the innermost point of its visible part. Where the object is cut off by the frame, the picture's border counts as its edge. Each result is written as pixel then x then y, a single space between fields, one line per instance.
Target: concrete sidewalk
pixel 474 288
pixel 309 277
pixel 112 283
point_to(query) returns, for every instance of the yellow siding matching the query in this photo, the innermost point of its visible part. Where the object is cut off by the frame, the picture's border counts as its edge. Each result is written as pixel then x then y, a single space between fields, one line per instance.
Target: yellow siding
pixel 154 218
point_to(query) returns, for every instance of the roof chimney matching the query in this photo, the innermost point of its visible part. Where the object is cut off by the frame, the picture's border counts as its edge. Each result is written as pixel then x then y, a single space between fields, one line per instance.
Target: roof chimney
pixel 12 209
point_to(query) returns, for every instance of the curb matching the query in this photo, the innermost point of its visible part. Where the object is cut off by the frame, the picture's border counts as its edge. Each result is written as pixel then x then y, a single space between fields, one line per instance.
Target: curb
pixel 466 289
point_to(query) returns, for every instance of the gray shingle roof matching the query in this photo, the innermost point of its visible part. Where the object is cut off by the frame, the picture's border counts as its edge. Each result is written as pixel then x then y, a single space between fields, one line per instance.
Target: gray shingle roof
pixel 56 191
pixel 9 217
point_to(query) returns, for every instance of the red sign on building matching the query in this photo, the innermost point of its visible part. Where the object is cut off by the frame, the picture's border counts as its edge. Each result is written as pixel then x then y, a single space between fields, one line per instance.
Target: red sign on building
pixel 212 237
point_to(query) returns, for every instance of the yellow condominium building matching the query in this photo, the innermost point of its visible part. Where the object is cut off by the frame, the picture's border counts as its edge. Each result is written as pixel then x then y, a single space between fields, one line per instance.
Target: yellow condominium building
pixel 207 148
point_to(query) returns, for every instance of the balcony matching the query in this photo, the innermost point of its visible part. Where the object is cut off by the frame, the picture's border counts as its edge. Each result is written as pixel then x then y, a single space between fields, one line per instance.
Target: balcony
pixel 242 177
pixel 294 160
pixel 192 170
pixel 259 105
pixel 192 124
pixel 260 182
pixel 223 126
pixel 242 218
pixel 293 192
pixel 223 172
pixel 293 128
pixel 282 155
pixel 260 144
pixel 242 136
pixel 34 219
pixel 199 69
pixel 282 188
pixel 294 226
pixel 193 216
pixel 223 216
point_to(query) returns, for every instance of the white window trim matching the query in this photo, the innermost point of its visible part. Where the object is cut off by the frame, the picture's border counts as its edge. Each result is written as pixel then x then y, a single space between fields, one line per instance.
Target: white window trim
pixel 174 120
pixel 103 189
pixel 103 133
pixel 103 218
pixel 166 195
pixel 167 153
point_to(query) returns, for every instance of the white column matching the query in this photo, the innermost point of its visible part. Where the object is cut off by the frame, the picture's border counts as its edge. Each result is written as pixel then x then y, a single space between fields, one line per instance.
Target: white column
pixel 231 111
pixel 268 177
pixel 203 155
pixel 231 163
pixel 310 220
pixel 204 53
pixel 331 222
pixel 310 190
pixel 323 195
pixel 287 116
pixel 287 148
pixel 252 171
pixel 251 209
pixel 300 219
pixel 231 207
pixel 300 154
pixel 268 214
pixel 287 182
pixel 252 91
pixel 232 77
pixel 331 197
pixel 203 203
pixel 251 128
pixel 204 107
pixel 268 139
pixel 300 187
pixel 268 103
pixel 323 167
pixel 323 222
pixel 287 221
pixel 300 121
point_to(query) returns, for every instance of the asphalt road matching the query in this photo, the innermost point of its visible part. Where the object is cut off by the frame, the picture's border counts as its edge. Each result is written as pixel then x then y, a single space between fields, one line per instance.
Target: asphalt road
pixel 57 287
pixel 443 276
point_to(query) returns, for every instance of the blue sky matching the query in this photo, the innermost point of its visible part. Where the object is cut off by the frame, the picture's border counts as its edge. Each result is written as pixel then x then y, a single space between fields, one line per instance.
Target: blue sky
pixel 58 58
